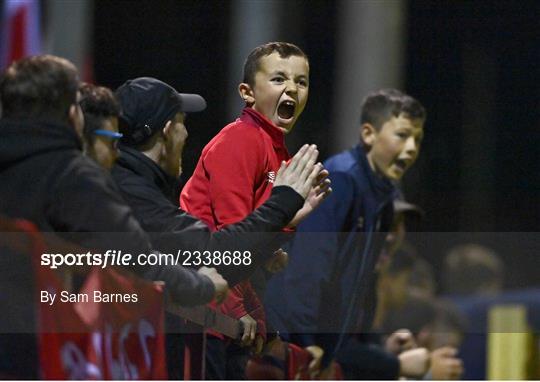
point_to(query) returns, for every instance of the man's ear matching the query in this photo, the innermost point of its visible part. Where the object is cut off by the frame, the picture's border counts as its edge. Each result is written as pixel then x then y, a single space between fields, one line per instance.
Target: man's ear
pixel 246 93
pixel 160 142
pixel 368 134
pixel 166 130
pixel 76 119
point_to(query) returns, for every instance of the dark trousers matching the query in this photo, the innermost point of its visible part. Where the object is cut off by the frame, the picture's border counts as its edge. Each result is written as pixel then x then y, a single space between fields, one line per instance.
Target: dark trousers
pixel 174 347
pixel 225 360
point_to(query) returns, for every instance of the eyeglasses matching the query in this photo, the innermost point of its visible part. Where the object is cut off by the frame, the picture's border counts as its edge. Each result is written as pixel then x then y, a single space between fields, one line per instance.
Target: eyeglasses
pixel 113 136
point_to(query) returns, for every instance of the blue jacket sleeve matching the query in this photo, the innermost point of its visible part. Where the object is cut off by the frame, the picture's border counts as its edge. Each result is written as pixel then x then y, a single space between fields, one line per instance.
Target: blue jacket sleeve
pixel 367 361
pixel 313 256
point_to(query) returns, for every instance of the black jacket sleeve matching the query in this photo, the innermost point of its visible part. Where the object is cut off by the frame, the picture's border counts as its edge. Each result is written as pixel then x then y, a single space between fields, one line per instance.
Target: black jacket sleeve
pixel 172 230
pixel 86 208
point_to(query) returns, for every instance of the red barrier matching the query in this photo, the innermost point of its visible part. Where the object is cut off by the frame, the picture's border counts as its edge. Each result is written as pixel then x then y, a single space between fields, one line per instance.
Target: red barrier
pixel 102 340
pixel 80 336
pixel 83 337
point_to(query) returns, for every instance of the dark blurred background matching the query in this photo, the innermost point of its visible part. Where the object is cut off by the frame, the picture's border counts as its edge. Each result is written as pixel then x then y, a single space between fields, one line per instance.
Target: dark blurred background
pixel 473 64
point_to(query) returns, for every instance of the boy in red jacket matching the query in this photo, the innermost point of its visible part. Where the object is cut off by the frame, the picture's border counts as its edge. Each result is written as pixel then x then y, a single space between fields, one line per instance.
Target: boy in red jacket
pixel 237 167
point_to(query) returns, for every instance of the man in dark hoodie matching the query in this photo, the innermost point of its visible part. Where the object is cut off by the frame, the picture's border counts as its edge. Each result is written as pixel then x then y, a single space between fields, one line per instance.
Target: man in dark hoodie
pixel 45 178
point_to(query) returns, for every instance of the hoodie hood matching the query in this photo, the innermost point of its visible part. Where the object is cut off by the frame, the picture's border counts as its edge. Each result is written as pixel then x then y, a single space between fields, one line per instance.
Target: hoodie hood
pixel 135 161
pixel 20 140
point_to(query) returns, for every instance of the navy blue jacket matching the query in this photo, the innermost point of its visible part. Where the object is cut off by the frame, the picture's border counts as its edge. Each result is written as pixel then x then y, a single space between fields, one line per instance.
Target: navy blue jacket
pixel 327 290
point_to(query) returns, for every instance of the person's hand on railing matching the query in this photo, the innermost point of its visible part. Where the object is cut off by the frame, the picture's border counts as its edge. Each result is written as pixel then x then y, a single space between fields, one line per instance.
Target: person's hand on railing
pixel 314 367
pixel 258 345
pixel 277 262
pixel 250 330
pixel 445 365
pixel 220 284
pixel 413 363
pixel 400 341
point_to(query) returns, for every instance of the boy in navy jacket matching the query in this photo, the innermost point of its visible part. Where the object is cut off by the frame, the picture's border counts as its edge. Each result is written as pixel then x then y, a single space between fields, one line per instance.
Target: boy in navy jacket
pixel 326 294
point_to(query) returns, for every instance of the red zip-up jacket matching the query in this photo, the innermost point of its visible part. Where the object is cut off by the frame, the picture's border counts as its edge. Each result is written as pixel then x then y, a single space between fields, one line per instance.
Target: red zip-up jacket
pixel 233 177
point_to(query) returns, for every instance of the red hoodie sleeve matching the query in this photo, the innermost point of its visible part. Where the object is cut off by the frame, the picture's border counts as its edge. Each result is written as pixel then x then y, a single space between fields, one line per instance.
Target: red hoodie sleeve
pixel 235 164
pixel 233 306
pixel 243 300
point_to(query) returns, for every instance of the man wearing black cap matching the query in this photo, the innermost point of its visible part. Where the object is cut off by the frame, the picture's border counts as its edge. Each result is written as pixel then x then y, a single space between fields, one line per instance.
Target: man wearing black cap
pixel 152 122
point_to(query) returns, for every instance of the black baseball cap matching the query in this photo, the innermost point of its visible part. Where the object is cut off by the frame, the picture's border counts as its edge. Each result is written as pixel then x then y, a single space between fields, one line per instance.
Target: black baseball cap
pixel 147 104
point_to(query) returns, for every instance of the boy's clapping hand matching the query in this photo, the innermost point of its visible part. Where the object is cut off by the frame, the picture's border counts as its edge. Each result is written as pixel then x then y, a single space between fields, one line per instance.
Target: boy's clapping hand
pixel 307 177
pixel 301 172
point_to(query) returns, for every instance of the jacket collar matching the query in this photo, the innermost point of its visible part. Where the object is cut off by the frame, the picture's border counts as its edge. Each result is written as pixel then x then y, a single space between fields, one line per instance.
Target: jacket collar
pixel 253 117
pixel 139 163
pixel 383 188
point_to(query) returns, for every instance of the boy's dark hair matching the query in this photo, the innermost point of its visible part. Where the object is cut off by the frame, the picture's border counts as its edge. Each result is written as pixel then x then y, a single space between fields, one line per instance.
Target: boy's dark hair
pixel 39 87
pixel 284 49
pixel 378 107
pixel 97 103
pixel 422 312
pixel 417 313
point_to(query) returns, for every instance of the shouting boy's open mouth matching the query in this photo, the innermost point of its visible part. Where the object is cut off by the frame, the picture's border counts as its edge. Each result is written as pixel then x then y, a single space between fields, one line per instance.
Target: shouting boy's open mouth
pixel 286 110
pixel 401 165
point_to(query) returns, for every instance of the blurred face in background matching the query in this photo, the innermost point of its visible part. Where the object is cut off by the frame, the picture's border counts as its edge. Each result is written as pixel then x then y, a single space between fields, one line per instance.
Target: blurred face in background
pixel 393 149
pixel 394 288
pixel 104 148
